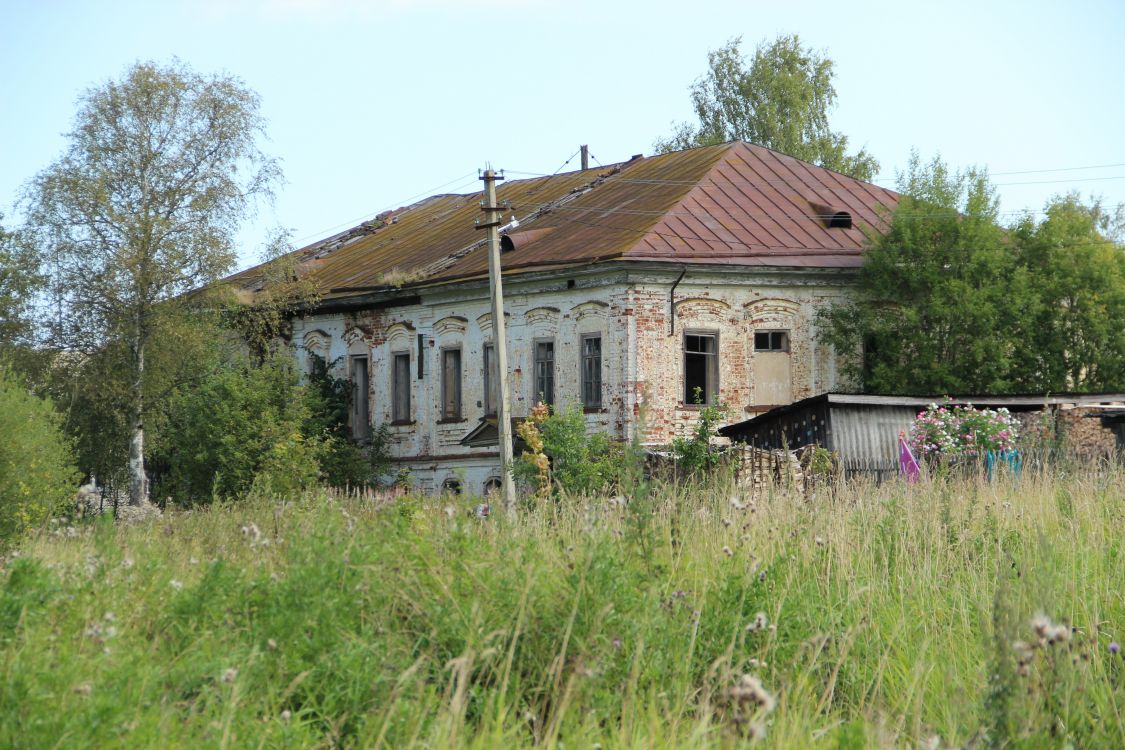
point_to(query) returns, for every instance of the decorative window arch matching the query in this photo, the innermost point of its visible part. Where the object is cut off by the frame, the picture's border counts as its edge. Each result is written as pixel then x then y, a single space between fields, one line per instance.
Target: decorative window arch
pixel 451 324
pixel 593 311
pixel 316 344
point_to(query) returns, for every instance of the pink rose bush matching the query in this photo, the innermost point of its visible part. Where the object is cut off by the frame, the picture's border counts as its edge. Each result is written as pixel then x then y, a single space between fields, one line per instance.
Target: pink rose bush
pixel 948 431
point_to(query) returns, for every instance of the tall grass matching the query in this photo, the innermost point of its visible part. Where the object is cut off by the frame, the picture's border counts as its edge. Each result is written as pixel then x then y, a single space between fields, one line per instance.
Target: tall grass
pixel 892 616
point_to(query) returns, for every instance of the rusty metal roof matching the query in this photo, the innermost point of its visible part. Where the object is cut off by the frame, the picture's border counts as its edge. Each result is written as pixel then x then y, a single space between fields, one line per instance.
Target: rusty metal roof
pixel 734 203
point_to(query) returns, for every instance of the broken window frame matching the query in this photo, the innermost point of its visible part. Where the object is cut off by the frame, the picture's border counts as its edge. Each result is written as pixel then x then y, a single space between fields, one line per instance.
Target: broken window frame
pixel 451 384
pixel 359 413
pixel 776 340
pixel 710 385
pixel 543 374
pixel 591 375
pixel 400 388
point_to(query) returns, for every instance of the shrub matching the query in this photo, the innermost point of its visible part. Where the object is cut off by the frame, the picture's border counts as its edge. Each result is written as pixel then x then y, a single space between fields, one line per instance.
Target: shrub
pixel 962 431
pixel 574 460
pixel 239 426
pixel 694 455
pixel 37 474
pixel 343 461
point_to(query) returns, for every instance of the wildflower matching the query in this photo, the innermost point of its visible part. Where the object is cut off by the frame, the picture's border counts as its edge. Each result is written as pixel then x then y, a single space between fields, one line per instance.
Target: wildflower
pixel 727 551
pixel 758 663
pixel 819 541
pixel 734 503
pixel 127 562
pixel 252 532
pixel 762 576
pixel 617 643
pixel 759 622
pixel 230 675
pixel 1114 647
pixel 1041 624
pixel 749 692
pixel 678 594
pixel 176 585
pixel 286 714
pixel 271 644
pixel 726 522
pixel 84 689
pixel 193 561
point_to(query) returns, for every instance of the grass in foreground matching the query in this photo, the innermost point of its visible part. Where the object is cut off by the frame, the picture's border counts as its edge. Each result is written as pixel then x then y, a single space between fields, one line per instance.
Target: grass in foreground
pixel 896 616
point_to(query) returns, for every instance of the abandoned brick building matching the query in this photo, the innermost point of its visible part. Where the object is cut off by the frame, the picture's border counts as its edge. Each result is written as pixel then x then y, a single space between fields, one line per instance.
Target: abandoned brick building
pixel 639 283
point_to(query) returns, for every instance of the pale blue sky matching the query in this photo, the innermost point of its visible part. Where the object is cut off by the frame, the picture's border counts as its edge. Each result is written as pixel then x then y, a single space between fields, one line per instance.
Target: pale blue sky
pixel 372 103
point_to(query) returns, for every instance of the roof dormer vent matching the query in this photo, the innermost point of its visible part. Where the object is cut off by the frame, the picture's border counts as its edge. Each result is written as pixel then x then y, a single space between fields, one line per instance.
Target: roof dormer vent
pixel 831 217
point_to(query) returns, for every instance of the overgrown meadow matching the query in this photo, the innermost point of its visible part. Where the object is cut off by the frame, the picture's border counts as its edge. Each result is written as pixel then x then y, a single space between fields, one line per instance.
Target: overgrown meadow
pixel 949 614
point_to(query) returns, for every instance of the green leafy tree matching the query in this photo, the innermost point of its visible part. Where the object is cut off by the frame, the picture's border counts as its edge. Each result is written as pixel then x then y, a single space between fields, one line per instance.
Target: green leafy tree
pixel 143 205
pixel 1077 262
pixel 781 100
pixel 950 302
pixel 19 280
pixel 37 474
pixel 940 295
pixel 240 424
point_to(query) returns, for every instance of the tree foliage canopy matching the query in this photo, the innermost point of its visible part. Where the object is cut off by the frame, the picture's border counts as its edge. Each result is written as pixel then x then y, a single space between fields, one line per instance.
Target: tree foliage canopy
pixel 160 169
pixel 949 301
pixel 781 101
pixel 19 280
pixel 143 205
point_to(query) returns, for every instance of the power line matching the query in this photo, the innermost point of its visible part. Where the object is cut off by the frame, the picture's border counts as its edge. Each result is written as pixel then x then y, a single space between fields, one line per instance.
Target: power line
pixel 747 215
pixel 1039 171
pixel 568 161
pixel 732 243
pixel 424 194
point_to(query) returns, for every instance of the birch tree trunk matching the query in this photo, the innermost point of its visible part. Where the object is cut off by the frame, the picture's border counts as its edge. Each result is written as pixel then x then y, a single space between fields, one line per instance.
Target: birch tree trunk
pixel 138 480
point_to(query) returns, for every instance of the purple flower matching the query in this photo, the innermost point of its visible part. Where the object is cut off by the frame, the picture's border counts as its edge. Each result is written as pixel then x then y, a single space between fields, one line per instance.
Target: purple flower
pixel 1114 647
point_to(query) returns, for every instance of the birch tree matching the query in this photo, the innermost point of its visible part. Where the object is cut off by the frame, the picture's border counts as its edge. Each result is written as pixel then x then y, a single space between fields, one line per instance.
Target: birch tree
pixel 160 168
pixel 780 99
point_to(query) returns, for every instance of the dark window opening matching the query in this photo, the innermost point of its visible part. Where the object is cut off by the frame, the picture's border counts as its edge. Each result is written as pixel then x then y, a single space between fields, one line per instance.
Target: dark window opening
pixel 491 485
pixel 450 383
pixel 451 486
pixel 701 368
pixel 592 371
pixel 400 388
pixel 491 381
pixel 771 341
pixel 360 418
pixel 545 372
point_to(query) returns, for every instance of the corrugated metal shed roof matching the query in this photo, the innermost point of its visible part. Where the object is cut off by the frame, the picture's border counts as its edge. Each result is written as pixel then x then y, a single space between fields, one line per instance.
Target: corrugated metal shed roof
pixel 1017 403
pixel 734 203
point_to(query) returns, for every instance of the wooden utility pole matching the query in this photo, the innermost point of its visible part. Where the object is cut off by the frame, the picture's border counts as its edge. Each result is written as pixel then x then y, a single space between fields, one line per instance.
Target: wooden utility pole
pixel 491 225
pixel 585 156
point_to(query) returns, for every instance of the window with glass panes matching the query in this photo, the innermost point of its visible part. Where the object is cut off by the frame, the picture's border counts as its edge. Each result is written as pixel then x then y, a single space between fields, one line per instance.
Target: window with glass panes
pixel 592 370
pixel 400 387
pixel 545 372
pixel 451 384
pixel 701 367
pixel 491 380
